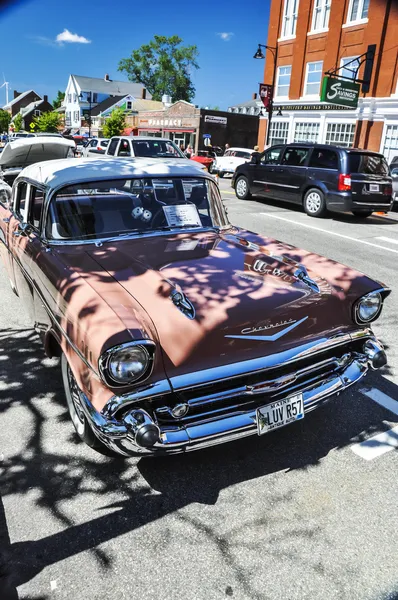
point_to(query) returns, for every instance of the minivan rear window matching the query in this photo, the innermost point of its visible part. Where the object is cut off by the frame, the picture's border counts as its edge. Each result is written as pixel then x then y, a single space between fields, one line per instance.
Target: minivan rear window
pixel 368 164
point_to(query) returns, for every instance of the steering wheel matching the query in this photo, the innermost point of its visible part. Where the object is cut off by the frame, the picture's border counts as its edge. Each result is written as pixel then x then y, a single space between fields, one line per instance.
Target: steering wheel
pixel 159 220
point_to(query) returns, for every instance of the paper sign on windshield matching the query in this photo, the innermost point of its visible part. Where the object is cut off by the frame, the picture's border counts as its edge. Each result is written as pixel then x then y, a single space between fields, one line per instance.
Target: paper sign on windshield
pixel 182 214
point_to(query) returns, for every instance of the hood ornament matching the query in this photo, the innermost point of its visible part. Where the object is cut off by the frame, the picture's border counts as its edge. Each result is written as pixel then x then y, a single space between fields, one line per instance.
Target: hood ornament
pixel 302 274
pixel 181 301
pixel 269 338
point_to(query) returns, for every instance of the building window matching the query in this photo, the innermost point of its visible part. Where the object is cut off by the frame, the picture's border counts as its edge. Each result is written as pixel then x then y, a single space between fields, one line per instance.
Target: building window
pixel 313 78
pixel 37 113
pixel 351 69
pixel 340 134
pixel 129 105
pixel 283 82
pixel 358 10
pixel 391 142
pixel 278 132
pixel 320 16
pixel 306 132
pixel 74 98
pixel 289 21
pixel 69 98
pixel 77 115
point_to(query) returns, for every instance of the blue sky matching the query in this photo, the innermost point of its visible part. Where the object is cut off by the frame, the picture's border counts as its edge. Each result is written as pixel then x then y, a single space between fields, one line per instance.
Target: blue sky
pixel 31 58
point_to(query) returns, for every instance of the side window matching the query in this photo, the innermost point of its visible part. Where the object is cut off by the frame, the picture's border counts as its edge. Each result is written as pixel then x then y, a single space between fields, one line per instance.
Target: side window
pixel 112 146
pixel 295 157
pixel 271 156
pixel 124 148
pixel 36 206
pixel 324 159
pixel 21 200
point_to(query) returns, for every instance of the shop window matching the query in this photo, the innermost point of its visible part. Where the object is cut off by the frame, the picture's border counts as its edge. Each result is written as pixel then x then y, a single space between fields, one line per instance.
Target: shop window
pixel 283 82
pixel 340 134
pixel 313 77
pixel 278 132
pixel 320 16
pixel 289 21
pixel 357 10
pixel 390 148
pixel 306 132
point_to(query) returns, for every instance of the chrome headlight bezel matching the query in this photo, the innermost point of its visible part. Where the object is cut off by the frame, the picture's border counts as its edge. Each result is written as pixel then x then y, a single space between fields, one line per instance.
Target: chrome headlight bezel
pixel 147 349
pixel 375 295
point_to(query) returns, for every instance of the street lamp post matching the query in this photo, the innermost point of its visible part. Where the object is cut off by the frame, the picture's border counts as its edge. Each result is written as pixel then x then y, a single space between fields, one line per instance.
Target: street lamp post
pixel 260 54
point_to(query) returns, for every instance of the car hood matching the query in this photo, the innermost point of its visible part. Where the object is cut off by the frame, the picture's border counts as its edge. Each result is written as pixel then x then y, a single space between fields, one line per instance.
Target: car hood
pixel 216 299
pixel 27 151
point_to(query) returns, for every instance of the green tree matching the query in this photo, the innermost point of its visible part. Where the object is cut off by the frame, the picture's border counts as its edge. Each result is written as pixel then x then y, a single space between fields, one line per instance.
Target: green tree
pixel 17 122
pixel 58 100
pixel 163 66
pixel 48 122
pixel 5 119
pixel 115 123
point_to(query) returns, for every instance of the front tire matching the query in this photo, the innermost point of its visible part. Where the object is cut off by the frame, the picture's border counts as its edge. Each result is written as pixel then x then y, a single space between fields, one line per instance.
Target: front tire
pixel 79 420
pixel 362 214
pixel 242 189
pixel 315 203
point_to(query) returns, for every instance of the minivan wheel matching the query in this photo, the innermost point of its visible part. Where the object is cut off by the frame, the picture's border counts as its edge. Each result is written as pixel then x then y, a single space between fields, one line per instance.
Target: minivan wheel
pixel 362 214
pixel 242 188
pixel 76 412
pixel 315 203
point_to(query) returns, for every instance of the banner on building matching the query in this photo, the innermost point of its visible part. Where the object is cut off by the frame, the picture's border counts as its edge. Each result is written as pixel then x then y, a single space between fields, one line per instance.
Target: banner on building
pixel 340 91
pixel 266 93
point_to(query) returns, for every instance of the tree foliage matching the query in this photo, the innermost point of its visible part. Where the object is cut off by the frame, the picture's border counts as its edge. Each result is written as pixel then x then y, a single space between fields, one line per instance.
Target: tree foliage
pixel 47 122
pixel 17 122
pixel 58 100
pixel 115 123
pixel 163 66
pixel 5 119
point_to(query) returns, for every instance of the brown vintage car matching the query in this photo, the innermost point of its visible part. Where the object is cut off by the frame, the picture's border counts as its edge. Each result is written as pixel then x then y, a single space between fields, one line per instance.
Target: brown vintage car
pixel 177 330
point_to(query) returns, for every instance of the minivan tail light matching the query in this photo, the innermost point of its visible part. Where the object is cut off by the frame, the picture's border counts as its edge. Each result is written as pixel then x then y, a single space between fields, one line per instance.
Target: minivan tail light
pixel 344 183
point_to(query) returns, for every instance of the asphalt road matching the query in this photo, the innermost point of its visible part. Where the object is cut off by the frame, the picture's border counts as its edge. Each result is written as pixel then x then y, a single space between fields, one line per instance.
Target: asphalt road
pixel 307 512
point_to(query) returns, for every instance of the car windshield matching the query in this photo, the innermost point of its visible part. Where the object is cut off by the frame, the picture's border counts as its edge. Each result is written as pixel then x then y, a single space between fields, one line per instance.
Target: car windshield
pixel 369 164
pixel 157 149
pixel 112 208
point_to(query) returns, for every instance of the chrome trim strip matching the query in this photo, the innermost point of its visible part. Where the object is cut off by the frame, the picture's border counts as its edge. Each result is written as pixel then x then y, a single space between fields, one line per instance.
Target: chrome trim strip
pixel 294 187
pixel 132 236
pixel 257 365
pixel 372 203
pixel 368 181
pixel 149 391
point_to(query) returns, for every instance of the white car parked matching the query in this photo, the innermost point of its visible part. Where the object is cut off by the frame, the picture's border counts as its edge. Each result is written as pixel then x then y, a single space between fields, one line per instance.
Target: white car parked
pixel 232 158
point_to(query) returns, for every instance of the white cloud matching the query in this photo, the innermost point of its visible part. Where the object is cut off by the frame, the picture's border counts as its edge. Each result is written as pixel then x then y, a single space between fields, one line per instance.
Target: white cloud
pixel 226 35
pixel 73 38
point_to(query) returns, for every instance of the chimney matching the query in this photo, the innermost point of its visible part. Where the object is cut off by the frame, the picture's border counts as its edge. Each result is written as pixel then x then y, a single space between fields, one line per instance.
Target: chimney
pixel 16 94
pixel 254 96
pixel 106 78
pixel 143 94
pixel 45 98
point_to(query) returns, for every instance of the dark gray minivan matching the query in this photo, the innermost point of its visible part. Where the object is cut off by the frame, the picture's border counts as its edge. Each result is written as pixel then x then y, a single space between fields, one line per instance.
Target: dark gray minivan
pixel 320 177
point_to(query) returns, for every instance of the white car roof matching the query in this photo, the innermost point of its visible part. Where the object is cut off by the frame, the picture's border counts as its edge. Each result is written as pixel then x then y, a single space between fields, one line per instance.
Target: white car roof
pixel 56 173
pixel 240 149
pixel 25 151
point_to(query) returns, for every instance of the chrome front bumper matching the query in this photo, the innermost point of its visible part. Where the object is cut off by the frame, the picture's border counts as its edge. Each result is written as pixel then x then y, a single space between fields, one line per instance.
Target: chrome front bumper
pixel 139 432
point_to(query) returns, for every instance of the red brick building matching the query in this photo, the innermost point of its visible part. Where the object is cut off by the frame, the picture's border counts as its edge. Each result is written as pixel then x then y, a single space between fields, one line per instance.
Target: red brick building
pixel 314 36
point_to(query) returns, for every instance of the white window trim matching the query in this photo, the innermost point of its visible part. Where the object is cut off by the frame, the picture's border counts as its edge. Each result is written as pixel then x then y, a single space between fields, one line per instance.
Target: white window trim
pixel 355 23
pixel 290 36
pixel 276 97
pixel 311 96
pixel 316 31
pixel 287 38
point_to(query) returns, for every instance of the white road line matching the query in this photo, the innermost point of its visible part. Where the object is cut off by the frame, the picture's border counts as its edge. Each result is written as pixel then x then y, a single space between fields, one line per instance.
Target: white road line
pixel 346 237
pixel 387 239
pixel 382 399
pixel 377 445
pixel 383 442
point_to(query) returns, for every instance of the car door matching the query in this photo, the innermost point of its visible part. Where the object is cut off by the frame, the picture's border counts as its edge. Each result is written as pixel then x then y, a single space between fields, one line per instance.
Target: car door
pixel 291 174
pixel 111 150
pixel 264 172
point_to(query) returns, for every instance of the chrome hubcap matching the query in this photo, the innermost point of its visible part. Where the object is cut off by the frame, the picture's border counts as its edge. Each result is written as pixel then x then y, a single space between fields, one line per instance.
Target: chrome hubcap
pixel 241 187
pixel 313 202
pixel 74 392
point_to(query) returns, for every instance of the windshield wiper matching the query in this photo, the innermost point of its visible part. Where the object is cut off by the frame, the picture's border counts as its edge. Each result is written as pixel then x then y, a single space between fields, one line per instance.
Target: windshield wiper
pixel 121 236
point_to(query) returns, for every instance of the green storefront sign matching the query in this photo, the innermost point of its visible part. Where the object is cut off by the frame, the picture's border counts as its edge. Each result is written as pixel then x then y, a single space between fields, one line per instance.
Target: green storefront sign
pixel 340 91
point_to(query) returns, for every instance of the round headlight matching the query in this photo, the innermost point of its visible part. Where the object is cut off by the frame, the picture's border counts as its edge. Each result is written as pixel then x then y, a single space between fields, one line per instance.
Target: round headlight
pixel 128 364
pixel 369 307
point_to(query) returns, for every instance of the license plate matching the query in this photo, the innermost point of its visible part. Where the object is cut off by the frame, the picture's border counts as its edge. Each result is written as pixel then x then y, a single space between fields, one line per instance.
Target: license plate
pixel 374 187
pixel 280 413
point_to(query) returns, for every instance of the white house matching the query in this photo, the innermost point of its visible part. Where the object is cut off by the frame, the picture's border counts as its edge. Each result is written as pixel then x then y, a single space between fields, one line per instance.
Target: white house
pixel 84 93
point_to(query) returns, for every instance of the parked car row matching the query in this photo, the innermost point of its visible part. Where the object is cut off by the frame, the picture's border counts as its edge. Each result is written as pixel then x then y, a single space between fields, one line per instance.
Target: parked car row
pixel 319 177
